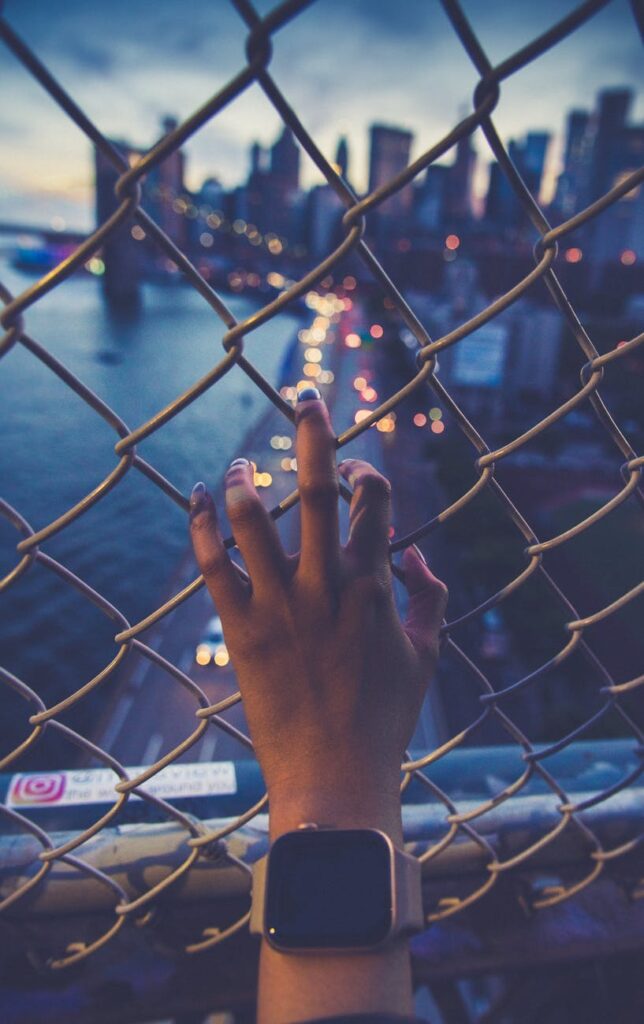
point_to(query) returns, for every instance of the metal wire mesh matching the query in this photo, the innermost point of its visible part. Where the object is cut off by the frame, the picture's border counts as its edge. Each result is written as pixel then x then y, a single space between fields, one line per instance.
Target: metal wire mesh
pixel 129 637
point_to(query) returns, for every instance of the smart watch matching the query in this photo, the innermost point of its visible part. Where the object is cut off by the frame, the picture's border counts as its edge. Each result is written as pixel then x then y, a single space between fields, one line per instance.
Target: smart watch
pixel 324 889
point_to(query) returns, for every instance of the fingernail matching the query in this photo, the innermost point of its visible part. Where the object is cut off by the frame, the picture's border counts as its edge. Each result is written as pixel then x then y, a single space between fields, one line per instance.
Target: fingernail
pixel 239 462
pixel 198 497
pixel 419 552
pixel 306 394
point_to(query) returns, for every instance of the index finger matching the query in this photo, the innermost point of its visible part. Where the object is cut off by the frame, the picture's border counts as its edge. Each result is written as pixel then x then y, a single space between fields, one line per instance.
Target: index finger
pixel 317 480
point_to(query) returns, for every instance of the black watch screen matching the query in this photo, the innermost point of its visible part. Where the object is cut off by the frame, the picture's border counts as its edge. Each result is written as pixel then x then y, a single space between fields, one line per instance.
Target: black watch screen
pixel 329 889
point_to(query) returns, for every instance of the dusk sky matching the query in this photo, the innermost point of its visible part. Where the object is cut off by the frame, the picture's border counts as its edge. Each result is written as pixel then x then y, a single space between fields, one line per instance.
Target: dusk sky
pixel 343 64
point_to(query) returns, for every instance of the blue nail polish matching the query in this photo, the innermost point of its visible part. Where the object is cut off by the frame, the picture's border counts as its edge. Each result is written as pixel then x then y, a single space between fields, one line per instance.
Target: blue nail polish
pixel 198 496
pixel 306 394
pixel 239 462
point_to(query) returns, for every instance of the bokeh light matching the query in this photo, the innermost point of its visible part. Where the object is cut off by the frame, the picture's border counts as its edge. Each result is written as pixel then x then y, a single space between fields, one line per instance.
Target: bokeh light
pixel 222 656
pixel 202 654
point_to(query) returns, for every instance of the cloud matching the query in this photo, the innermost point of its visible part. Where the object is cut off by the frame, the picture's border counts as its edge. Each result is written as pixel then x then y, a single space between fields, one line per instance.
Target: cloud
pixel 342 65
pixel 86 56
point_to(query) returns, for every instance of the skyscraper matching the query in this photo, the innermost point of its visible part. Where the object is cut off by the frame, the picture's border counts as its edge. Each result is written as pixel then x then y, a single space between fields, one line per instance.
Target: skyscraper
pixel 431 196
pixel 608 127
pixel 257 188
pixel 285 164
pixel 388 156
pixel 533 160
pixel 502 205
pixel 284 181
pixel 342 157
pixel 324 214
pixel 164 189
pixel 458 206
pixel 572 185
pixel 617 151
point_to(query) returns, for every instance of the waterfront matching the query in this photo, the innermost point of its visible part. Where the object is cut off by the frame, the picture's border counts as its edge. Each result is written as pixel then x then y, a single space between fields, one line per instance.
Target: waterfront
pixel 55 450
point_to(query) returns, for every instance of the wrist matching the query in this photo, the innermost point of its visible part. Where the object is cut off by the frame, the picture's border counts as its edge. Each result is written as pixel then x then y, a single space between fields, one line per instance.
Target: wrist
pixel 346 807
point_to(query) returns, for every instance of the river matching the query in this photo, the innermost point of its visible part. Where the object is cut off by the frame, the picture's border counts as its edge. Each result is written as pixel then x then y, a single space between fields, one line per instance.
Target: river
pixel 55 449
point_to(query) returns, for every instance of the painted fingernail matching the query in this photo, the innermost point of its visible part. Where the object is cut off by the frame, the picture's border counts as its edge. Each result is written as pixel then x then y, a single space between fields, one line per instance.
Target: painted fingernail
pixel 198 497
pixel 419 552
pixel 239 462
pixel 306 394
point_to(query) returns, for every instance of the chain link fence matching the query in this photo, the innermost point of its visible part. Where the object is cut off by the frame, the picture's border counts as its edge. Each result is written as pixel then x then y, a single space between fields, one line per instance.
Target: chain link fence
pixel 464 831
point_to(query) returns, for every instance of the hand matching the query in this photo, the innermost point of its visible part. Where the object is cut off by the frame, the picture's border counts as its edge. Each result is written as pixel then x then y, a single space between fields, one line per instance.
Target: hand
pixel 332 681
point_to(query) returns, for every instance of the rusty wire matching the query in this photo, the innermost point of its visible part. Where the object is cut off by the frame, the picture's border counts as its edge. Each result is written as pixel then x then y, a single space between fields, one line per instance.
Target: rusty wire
pixel 128 636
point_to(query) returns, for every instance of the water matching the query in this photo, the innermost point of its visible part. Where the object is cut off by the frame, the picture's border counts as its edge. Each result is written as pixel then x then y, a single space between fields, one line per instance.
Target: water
pixel 55 449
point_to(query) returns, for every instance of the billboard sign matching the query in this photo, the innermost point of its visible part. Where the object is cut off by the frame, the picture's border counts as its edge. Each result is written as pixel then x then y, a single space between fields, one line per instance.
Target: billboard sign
pixel 479 359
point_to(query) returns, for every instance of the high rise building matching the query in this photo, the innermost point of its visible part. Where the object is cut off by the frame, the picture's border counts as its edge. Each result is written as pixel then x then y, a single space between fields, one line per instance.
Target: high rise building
pixel 342 158
pixel 502 205
pixel 285 164
pixel 616 150
pixel 324 214
pixel 608 127
pixel 164 192
pixel 257 188
pixel 572 184
pixel 431 197
pixel 211 195
pixel 284 182
pixel 533 160
pixel 388 156
pixel 458 204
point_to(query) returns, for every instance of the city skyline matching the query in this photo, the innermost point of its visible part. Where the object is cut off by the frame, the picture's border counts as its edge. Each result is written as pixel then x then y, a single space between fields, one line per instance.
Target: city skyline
pixel 430 216
pixel 100 66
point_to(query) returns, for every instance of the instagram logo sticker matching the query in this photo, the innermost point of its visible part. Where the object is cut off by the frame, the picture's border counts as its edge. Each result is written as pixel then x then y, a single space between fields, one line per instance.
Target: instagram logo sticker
pixel 47 788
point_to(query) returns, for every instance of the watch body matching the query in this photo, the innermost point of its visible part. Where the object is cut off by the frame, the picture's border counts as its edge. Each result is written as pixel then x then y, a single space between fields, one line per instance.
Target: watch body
pixel 327 889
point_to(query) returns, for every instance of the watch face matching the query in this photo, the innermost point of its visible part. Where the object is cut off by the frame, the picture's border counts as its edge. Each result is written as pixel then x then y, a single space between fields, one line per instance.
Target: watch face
pixel 329 889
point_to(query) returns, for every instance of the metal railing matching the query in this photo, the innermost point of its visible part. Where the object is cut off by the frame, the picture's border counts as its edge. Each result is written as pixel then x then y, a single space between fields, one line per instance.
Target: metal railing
pixel 462 831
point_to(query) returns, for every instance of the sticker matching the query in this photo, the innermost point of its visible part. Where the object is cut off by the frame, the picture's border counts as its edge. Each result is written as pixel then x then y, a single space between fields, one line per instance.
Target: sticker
pixel 96 785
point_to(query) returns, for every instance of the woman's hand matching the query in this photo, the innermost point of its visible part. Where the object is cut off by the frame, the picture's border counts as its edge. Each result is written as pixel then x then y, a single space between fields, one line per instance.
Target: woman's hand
pixel 332 681
pixel 332 684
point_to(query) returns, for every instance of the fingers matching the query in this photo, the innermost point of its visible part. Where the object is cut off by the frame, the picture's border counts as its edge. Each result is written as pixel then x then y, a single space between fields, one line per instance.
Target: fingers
pixel 318 486
pixel 253 529
pixel 227 590
pixel 427 604
pixel 369 514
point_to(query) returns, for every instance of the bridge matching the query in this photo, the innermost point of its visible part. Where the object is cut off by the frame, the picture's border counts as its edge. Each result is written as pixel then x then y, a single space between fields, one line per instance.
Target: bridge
pixel 46 233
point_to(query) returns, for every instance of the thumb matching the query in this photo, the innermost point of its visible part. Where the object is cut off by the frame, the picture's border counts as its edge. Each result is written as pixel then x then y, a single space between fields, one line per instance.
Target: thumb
pixel 427 603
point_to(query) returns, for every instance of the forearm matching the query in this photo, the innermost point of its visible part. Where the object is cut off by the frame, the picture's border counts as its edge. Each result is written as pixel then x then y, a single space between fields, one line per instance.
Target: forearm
pixel 300 987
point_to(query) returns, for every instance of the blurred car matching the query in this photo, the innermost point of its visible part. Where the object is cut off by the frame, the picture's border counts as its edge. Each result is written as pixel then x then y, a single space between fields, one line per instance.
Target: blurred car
pixel 211 646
